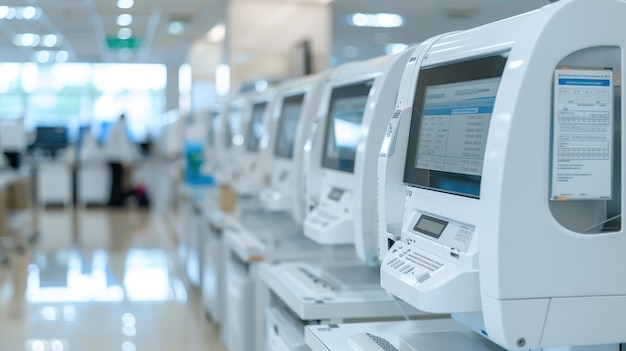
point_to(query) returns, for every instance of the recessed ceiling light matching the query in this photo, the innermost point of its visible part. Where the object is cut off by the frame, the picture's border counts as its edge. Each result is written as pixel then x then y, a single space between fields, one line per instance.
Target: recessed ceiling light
pixel 50 40
pixel 42 56
pixel 394 48
pixel 62 56
pixel 125 4
pixel 10 13
pixel 29 12
pixel 217 34
pixel 124 33
pixel 124 20
pixel 176 27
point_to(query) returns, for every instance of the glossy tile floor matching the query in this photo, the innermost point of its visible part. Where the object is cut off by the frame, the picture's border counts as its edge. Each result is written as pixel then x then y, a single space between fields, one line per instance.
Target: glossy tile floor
pixel 101 280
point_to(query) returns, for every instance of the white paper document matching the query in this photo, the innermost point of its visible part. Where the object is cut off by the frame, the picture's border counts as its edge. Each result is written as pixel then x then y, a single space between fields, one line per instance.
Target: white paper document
pixel 582 137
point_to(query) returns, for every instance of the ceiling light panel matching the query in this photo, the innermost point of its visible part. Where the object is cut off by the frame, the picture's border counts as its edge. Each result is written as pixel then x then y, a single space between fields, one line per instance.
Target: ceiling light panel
pixel 124 20
pixel 50 40
pixel 26 13
pixel 124 33
pixel 375 20
pixel 125 4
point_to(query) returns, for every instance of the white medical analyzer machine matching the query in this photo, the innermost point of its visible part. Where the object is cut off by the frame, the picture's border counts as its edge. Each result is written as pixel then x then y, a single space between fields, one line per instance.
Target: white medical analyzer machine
pixel 512 132
pixel 354 112
pixel 226 126
pixel 210 152
pixel 289 130
pixel 248 170
pixel 212 246
pixel 269 236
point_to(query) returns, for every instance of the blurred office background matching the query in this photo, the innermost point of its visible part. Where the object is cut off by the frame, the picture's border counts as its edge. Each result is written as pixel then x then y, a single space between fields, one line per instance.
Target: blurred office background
pixel 71 67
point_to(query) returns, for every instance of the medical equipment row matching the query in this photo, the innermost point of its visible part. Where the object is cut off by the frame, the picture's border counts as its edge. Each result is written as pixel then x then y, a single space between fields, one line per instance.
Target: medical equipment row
pixel 371 210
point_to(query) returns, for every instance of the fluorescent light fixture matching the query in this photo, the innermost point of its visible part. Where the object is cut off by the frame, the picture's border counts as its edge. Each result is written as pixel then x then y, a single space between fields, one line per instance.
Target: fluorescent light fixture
pixel 125 4
pixel 176 27
pixel 376 20
pixel 29 12
pixel 129 346
pixel 26 39
pixel 20 13
pixel 50 40
pixel 124 33
pixel 394 48
pixel 217 34
pixel 124 20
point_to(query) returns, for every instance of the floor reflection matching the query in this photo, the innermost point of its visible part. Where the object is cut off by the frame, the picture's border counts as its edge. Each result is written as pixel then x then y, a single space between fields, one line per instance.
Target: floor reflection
pixel 100 280
pixel 136 275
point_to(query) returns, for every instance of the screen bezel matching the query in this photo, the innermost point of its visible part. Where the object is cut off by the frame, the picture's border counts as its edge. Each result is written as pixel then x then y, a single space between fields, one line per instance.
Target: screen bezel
pixel 213 115
pixel 252 144
pixel 279 152
pixel 491 66
pixel 361 88
pixel 229 133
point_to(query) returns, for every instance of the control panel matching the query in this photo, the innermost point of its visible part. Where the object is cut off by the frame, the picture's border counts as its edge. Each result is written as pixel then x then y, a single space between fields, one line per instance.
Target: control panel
pixel 331 222
pixel 447 232
pixel 411 263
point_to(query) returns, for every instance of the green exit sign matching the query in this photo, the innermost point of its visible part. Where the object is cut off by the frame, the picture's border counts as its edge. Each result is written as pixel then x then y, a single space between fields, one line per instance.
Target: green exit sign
pixel 115 43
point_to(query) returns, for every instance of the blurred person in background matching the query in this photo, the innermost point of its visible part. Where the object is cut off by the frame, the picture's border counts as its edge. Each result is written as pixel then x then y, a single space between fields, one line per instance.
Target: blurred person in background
pixel 121 154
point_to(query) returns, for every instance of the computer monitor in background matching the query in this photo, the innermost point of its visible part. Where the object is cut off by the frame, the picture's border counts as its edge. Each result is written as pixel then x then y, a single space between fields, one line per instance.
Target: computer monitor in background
pixel 255 126
pixel 249 172
pixel 296 107
pixel 233 124
pixel 51 139
pixel 288 126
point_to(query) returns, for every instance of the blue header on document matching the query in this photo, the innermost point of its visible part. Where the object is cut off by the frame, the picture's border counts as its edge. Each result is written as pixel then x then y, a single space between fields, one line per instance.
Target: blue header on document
pixel 473 106
pixel 585 82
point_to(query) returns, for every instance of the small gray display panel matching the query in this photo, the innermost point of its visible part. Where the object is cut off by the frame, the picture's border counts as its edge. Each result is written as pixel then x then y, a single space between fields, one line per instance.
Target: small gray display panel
pixel 430 226
pixel 335 194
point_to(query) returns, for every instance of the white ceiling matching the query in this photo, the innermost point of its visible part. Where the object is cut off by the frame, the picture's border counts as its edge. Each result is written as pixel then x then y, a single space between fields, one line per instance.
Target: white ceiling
pixel 422 19
pixel 84 25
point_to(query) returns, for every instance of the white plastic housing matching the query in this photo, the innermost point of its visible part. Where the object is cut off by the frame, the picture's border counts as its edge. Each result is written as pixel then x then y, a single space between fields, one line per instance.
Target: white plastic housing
pixel 540 283
pixel 286 190
pixel 352 219
pixel 249 171
pixel 223 150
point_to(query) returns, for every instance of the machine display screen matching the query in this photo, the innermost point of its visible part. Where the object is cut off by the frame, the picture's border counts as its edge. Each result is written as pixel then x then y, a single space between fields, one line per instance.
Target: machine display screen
pixel 450 124
pixel 255 128
pixel 430 226
pixel 343 128
pixel 234 125
pixel 211 134
pixel 288 126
